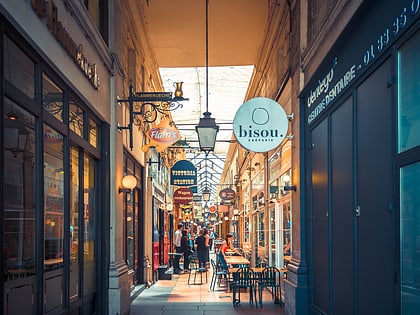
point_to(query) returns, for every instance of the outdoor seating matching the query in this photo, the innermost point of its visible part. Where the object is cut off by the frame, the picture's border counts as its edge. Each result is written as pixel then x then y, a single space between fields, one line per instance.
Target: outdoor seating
pixel 218 275
pixel 270 278
pixel 244 278
pixel 196 269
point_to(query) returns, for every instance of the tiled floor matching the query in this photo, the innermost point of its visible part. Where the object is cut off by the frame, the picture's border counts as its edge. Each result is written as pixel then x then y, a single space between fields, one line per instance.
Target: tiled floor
pixel 176 296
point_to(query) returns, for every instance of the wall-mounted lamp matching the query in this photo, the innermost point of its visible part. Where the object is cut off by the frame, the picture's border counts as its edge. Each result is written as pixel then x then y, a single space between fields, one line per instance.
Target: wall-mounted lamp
pixel 129 182
pixel 151 103
pixel 236 212
pixel 226 218
pixel 287 187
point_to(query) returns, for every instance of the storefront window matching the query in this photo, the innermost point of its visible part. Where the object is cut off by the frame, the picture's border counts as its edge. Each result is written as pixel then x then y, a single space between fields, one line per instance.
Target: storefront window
pixel 129 221
pixel 286 222
pixel 74 223
pixel 89 232
pixel 76 119
pixel 246 229
pixel 409 94
pixel 53 216
pixel 18 192
pixel 19 70
pixel 410 239
pixel 52 227
pixel 93 133
pixel 272 234
pixel 52 98
pixel 97 11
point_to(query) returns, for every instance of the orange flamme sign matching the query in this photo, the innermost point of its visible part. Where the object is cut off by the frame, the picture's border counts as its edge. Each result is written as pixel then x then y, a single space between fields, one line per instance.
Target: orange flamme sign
pixel 161 136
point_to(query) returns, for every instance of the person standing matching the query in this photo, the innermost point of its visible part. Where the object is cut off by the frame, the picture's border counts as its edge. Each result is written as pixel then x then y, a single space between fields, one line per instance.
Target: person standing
pixel 178 250
pixel 186 250
pixel 207 254
pixel 200 241
pixel 211 236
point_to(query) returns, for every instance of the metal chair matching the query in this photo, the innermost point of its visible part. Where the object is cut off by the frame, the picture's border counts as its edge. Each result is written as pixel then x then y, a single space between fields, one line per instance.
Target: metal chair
pixel 244 278
pixel 194 269
pixel 270 278
pixel 218 274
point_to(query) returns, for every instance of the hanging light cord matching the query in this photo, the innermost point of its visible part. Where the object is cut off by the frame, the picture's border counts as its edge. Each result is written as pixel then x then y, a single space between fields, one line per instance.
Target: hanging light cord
pixel 207 55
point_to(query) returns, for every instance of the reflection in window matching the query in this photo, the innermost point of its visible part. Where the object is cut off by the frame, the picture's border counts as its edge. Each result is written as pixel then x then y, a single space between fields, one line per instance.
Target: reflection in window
pixel 19 193
pixel 52 98
pixel 409 94
pixel 74 223
pixel 76 118
pixel 93 133
pixel 272 234
pixel 129 219
pixel 18 68
pixel 410 239
pixel 89 231
pixel 246 228
pixel 53 213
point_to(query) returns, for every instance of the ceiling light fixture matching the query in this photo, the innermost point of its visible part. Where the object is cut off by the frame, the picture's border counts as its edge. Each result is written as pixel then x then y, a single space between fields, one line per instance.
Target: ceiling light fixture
pixel 207 129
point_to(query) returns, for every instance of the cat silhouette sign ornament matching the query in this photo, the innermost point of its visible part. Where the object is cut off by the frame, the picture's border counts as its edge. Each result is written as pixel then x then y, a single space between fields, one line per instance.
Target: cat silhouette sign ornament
pixel 260 124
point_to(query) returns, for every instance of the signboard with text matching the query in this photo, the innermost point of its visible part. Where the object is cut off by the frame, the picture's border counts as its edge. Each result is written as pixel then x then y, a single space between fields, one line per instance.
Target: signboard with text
pixel 183 196
pixel 260 124
pixel 227 194
pixel 183 173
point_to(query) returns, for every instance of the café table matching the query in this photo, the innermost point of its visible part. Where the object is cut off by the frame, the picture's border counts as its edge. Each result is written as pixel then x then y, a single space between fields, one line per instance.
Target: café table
pixel 236 260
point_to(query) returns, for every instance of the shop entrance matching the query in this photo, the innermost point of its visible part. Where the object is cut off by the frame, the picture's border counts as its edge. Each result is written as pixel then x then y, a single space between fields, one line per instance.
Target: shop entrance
pixel 351 220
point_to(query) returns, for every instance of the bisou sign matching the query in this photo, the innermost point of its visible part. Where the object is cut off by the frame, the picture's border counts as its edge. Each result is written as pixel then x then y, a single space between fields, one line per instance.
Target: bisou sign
pixel 260 124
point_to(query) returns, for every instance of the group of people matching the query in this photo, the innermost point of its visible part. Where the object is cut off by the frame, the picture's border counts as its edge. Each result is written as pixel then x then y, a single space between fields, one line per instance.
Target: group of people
pixel 202 245
pixel 184 245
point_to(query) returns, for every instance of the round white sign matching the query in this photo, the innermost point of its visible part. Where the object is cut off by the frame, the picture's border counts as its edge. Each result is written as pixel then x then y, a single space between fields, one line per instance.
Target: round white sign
pixel 260 124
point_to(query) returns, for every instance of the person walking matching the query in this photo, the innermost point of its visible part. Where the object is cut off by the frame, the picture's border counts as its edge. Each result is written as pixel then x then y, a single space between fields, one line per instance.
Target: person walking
pixel 178 250
pixel 186 250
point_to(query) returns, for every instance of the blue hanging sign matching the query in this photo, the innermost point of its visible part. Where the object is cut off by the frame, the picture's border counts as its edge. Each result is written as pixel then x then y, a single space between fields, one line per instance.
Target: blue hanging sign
pixel 183 173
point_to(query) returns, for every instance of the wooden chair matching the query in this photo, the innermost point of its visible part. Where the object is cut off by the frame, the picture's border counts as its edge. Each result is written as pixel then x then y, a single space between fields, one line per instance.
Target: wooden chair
pixel 244 278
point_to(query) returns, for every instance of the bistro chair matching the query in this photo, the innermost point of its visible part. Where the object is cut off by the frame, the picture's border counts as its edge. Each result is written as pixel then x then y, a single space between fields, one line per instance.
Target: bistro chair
pixel 270 278
pixel 196 269
pixel 244 278
pixel 218 274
